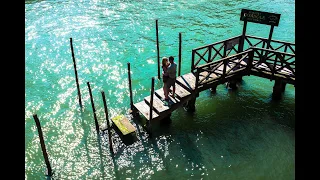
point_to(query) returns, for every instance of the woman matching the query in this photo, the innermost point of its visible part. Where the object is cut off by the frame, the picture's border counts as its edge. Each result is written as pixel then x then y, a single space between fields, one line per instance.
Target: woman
pixel 165 77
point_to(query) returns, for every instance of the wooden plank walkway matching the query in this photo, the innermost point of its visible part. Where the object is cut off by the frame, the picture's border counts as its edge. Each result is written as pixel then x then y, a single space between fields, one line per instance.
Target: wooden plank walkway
pixel 185 85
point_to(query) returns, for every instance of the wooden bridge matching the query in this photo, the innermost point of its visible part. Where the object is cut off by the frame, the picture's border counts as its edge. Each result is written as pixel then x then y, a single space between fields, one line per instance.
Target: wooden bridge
pixel 223 62
pixel 220 63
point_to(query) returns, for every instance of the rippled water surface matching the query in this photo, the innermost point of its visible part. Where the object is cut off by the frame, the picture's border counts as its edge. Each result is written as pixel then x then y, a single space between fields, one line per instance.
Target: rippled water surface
pixel 240 134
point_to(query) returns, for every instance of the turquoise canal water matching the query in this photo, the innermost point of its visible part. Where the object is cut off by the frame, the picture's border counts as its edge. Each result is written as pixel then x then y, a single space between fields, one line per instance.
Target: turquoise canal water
pixel 240 134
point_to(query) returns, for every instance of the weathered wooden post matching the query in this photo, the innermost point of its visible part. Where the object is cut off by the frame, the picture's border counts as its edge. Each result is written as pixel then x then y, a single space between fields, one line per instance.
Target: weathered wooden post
pixel 76 73
pixel 278 89
pixel 268 45
pixel 190 104
pixel 130 88
pixel 241 43
pixel 43 146
pixel 179 70
pixel 148 123
pixel 192 60
pixel 213 88
pixel 209 53
pixel 158 53
pixel 107 119
pixel 270 36
pixel 151 98
pixel 250 61
pixel 93 109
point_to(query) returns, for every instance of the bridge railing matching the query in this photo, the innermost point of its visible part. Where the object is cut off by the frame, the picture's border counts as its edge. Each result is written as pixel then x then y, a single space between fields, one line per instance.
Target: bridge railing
pixel 259 42
pixel 224 68
pixel 216 51
pixel 275 62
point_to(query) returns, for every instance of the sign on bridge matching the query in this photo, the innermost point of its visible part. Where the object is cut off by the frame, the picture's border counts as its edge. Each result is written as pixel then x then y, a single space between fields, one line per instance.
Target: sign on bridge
pixel 260 17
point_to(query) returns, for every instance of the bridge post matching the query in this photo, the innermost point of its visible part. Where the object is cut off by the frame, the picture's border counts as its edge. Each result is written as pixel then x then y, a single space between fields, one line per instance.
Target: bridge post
pixel 278 89
pixel 190 105
pixel 213 89
pixel 232 83
pixel 241 43
pixel 192 60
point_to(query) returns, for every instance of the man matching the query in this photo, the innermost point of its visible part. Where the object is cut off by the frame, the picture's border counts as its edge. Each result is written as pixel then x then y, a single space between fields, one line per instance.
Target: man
pixel 172 71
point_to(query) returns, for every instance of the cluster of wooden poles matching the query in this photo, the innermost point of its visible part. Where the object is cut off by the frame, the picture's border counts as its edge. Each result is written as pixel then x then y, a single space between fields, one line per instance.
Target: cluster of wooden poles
pixel 35 116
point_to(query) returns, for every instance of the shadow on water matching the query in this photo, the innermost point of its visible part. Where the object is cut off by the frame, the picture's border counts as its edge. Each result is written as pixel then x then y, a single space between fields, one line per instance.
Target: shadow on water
pixel 126 139
pixel 100 154
pixel 158 128
pixel 113 154
pixel 189 148
pixel 85 135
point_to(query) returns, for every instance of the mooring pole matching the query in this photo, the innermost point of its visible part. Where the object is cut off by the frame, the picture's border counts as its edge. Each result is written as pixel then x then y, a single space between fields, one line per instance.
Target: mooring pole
pixel 93 109
pixel 130 87
pixel 43 146
pixel 75 71
pixel 107 119
pixel 148 123
pixel 151 98
pixel 158 53
pixel 180 44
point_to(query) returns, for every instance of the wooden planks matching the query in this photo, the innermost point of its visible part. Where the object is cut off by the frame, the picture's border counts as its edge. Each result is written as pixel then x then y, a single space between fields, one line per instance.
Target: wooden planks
pixel 144 109
pixel 123 124
pixel 172 100
pixel 181 92
pixel 264 66
pixel 204 78
pixel 158 105
pixel 187 81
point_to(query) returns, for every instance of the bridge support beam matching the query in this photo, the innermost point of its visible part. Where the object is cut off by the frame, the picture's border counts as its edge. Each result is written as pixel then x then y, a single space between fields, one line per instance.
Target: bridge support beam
pixel 239 79
pixel 232 83
pixel 213 89
pixel 278 89
pixel 190 105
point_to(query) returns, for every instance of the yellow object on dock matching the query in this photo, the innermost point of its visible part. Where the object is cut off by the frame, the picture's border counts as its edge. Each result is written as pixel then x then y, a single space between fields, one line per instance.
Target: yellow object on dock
pixel 123 124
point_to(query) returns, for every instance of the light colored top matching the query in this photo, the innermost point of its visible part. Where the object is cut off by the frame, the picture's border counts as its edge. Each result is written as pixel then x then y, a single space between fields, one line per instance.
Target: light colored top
pixel 172 70
pixel 164 70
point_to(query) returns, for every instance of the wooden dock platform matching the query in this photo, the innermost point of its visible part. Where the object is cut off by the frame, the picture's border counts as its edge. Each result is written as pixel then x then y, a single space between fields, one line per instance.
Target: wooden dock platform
pixel 185 85
pixel 210 75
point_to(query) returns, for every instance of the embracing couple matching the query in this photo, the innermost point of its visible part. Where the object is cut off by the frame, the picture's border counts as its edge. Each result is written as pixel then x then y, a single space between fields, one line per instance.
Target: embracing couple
pixel 169 71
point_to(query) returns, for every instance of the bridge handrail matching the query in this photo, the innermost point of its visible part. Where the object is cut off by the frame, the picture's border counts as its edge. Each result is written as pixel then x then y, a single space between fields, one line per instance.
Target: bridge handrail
pixel 281 58
pixel 222 59
pixel 277 41
pixel 219 42
pixel 276 65
pixel 230 45
pixel 271 50
pixel 248 54
pixel 284 44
